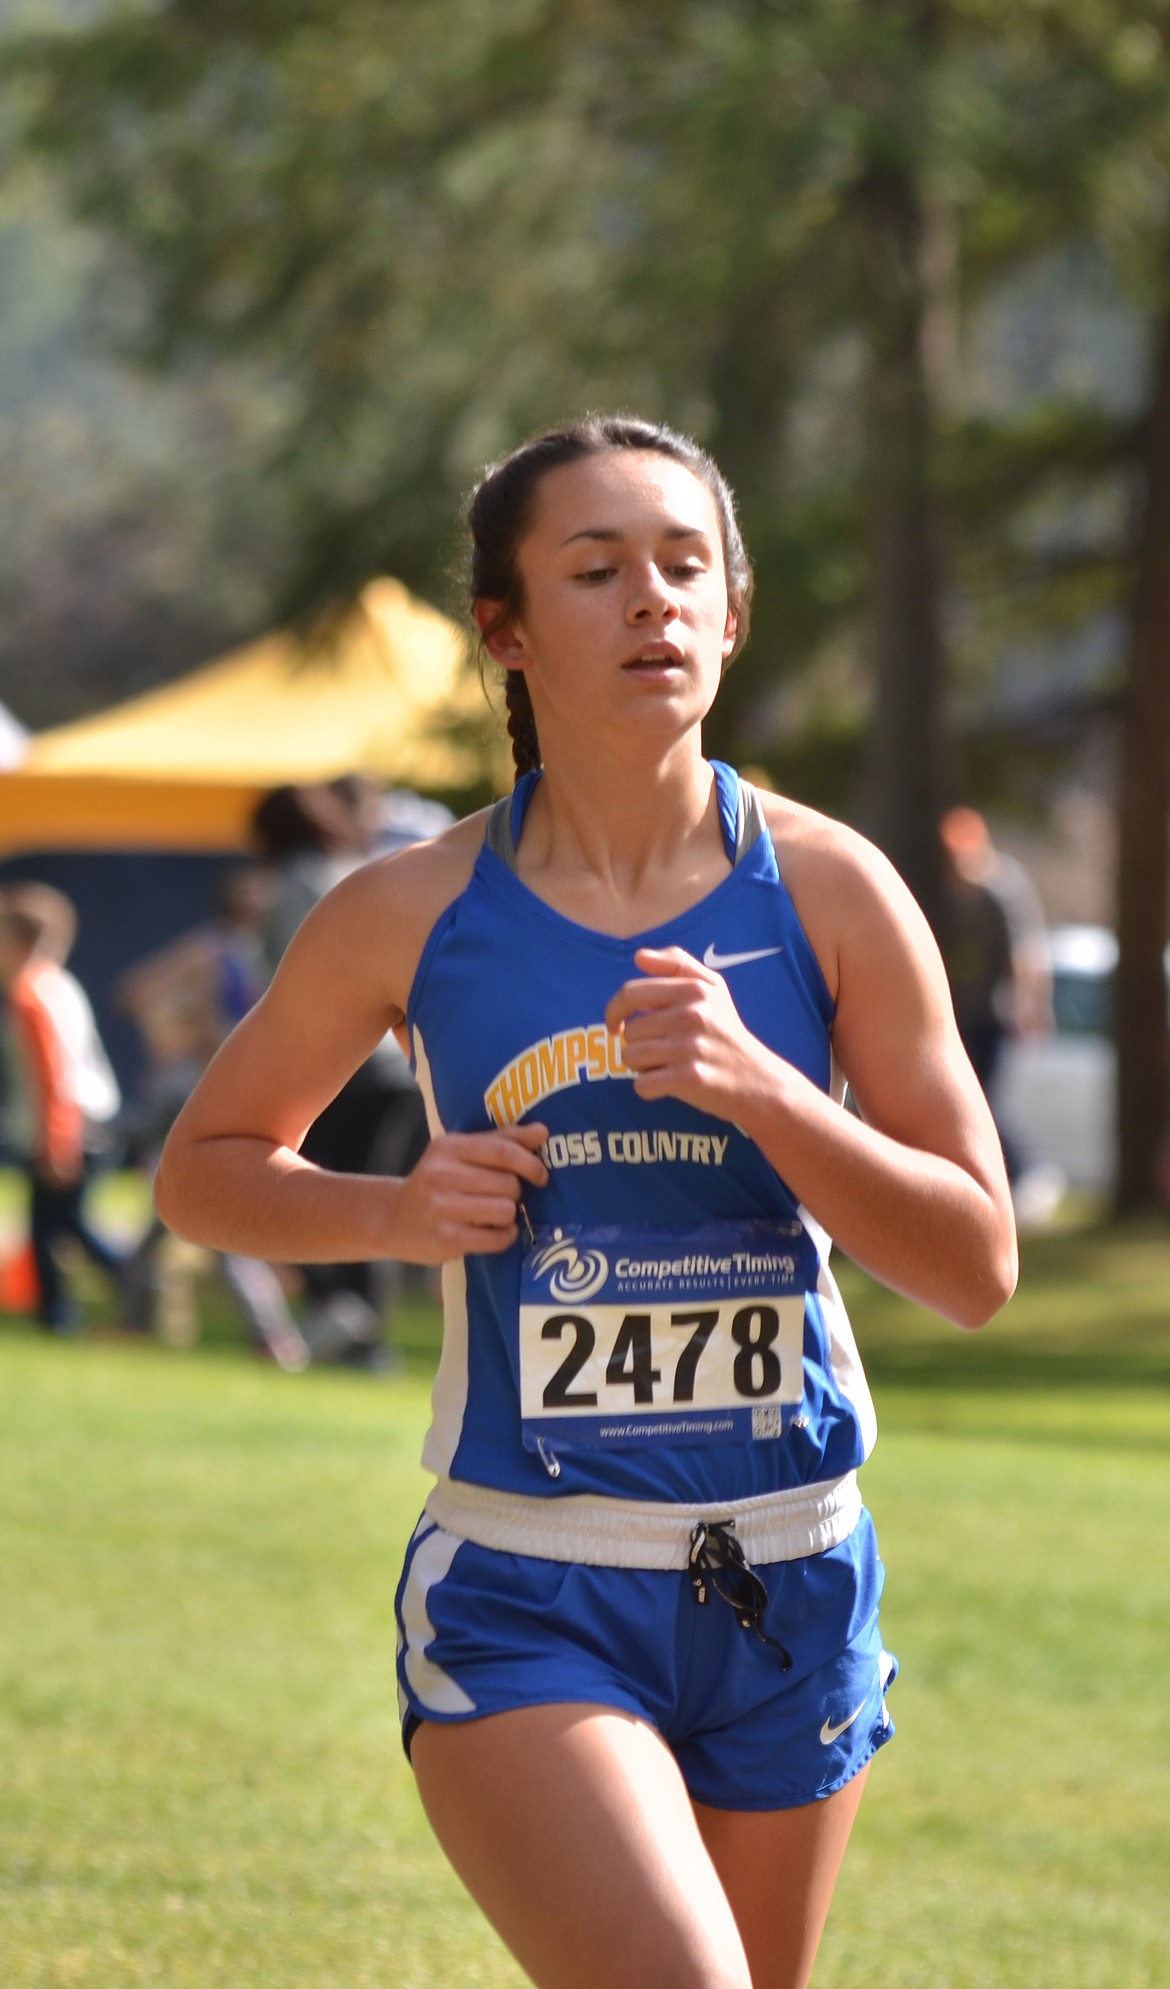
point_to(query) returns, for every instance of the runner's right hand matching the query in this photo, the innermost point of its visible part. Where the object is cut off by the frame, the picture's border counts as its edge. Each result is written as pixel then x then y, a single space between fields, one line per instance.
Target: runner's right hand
pixel 461 1199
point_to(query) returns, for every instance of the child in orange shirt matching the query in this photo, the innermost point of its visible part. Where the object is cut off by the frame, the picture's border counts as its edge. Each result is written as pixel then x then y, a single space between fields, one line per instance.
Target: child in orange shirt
pixel 68 1088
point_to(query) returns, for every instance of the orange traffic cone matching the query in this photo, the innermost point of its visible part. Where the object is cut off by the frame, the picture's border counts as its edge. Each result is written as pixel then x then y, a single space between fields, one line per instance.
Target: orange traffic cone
pixel 20 1289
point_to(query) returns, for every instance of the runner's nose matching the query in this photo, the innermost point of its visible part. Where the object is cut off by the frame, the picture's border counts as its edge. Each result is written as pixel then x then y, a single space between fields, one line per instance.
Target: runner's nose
pixel 652 598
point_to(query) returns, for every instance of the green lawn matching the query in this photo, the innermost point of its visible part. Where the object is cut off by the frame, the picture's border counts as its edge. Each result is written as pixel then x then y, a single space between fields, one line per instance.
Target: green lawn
pixel 200 1776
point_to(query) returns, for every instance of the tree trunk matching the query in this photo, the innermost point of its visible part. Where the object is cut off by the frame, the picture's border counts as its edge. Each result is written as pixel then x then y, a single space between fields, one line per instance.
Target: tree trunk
pixel 1143 884
pixel 907 744
pixel 749 383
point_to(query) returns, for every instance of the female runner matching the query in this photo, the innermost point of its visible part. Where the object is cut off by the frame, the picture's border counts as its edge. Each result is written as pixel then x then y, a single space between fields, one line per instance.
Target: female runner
pixel 640 1667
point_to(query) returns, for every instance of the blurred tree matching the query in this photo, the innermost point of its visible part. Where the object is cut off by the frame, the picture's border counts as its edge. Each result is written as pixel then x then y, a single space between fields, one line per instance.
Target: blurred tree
pixel 444 225
pixel 1116 57
pixel 980 137
pixel 1143 892
pixel 132 546
pixel 435 227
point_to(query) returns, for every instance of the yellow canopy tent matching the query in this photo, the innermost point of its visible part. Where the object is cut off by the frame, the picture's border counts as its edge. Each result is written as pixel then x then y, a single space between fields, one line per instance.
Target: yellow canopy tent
pixel 385 690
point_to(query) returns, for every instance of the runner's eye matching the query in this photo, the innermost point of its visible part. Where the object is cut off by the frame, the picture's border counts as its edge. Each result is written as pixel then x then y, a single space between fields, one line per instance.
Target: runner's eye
pixel 595 574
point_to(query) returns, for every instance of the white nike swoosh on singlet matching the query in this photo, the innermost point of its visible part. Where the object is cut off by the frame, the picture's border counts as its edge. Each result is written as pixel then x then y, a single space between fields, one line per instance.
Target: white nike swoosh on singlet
pixel 721 960
pixel 830 1733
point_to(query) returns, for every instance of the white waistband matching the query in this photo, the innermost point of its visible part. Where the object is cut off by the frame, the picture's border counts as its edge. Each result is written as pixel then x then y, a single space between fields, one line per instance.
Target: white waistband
pixel 637 1533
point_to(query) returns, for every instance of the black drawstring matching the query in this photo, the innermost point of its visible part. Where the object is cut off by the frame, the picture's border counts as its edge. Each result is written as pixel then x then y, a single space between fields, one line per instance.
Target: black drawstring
pixel 716 1551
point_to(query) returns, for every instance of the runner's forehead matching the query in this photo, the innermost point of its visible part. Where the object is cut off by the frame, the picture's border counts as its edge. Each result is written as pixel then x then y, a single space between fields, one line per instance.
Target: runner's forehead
pixel 604 499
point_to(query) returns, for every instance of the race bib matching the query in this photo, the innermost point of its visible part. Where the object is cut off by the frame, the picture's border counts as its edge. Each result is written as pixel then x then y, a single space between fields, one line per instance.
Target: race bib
pixel 637 1336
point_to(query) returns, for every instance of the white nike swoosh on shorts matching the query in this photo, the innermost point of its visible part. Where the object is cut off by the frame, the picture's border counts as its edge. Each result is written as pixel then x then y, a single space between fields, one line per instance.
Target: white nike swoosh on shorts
pixel 719 961
pixel 830 1733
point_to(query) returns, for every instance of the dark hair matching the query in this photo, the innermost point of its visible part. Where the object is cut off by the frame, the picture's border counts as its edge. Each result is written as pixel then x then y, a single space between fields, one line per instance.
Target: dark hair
pixel 501 509
pixel 281 824
pixel 25 926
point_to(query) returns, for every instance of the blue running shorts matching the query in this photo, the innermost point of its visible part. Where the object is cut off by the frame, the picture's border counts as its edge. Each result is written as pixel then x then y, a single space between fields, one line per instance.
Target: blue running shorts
pixel 485 1632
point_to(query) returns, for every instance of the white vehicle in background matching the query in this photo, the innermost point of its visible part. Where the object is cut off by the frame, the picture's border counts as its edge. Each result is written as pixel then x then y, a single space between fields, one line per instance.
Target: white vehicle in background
pixel 1057 1093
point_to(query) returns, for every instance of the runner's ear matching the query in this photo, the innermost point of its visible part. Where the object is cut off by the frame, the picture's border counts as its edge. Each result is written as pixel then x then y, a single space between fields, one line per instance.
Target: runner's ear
pixel 500 636
pixel 730 635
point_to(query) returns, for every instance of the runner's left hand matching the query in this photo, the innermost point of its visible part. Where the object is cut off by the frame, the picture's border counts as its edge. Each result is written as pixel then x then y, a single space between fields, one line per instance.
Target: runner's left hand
pixel 683 1036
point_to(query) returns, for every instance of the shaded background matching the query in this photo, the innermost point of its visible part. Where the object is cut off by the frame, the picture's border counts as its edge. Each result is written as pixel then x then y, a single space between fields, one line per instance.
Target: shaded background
pixel 276 280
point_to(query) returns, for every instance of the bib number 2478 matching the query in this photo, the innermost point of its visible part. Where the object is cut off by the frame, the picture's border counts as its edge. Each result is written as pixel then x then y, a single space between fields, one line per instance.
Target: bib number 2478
pixel 636 1338
pixel 670 1370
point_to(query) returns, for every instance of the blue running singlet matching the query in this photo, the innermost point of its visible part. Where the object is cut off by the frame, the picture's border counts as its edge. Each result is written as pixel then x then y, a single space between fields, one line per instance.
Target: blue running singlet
pixel 666 1333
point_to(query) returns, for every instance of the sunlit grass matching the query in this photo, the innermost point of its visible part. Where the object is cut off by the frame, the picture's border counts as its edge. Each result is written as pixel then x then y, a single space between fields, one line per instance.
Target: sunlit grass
pixel 201 1779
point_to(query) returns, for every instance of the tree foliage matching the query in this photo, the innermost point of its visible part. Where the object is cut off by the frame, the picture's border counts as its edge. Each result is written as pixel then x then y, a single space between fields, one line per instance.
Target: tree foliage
pixel 441 225
pixel 432 228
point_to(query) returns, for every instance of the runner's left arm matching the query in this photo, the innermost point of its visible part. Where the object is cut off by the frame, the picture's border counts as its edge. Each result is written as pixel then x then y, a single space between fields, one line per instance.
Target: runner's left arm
pixel 914 1190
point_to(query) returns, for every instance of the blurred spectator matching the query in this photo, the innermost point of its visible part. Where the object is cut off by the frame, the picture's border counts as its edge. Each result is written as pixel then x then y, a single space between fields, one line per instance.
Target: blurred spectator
pixel 998 963
pixel 404 818
pixel 312 836
pixel 217 971
pixel 185 999
pixel 56 914
pixel 1024 997
pixel 315 835
pixel 66 1092
pixel 977 952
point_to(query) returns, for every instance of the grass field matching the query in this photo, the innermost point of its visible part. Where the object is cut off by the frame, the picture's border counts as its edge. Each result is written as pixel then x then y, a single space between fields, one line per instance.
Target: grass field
pixel 200 1776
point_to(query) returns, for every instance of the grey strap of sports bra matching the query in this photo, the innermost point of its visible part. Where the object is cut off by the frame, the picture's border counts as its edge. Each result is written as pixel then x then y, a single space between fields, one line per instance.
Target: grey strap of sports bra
pixel 749 826
pixel 750 822
pixel 499 837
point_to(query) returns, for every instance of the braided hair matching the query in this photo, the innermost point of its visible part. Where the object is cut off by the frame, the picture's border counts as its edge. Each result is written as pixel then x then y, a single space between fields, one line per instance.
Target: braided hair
pixel 521 724
pixel 501 509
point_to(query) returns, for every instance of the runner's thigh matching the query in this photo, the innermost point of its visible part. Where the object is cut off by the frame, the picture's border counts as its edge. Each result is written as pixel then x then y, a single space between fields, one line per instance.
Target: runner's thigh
pixel 778 1871
pixel 572 1828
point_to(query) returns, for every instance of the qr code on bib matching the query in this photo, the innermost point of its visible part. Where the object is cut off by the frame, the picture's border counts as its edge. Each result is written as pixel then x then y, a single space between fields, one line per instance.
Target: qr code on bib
pixel 767 1422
